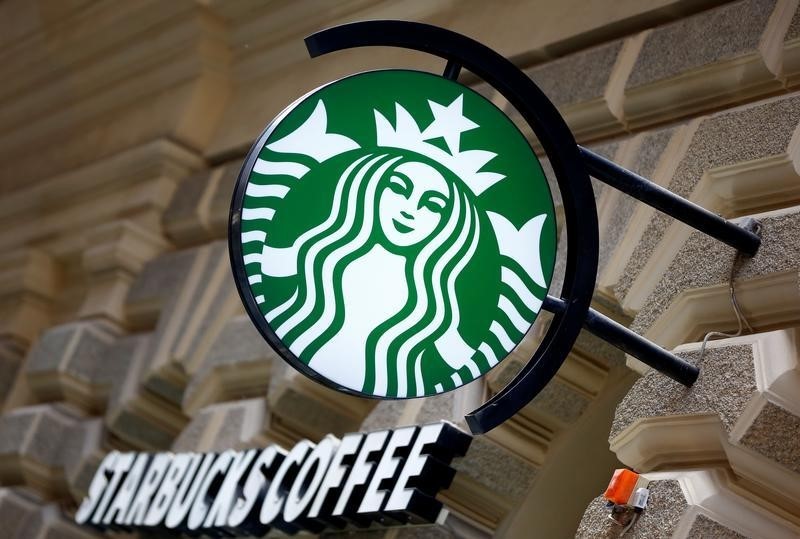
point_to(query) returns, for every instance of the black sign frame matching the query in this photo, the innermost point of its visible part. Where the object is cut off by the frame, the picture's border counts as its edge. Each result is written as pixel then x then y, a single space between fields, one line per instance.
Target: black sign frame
pixel 572 165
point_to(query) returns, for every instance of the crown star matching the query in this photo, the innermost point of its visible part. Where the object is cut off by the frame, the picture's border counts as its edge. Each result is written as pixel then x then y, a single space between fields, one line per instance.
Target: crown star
pixel 449 122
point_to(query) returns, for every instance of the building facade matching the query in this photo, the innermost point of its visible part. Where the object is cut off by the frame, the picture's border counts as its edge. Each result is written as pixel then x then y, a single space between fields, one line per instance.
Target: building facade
pixel 123 126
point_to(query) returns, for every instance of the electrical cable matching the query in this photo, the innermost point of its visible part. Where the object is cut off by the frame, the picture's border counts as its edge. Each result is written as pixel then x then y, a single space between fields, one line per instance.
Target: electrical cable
pixel 740 318
pixel 629 526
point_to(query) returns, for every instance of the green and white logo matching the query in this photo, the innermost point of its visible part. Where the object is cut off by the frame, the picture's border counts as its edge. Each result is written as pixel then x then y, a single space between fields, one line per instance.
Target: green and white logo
pixel 397 233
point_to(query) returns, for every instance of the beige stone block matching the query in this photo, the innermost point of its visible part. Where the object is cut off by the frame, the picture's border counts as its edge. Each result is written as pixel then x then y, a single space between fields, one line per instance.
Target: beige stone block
pixel 28 285
pixel 66 363
pixel 238 365
pixel 790 68
pixel 117 77
pixel 774 432
pixel 742 410
pixel 145 424
pixel 610 150
pixel 587 86
pixel 220 201
pixel 301 408
pixel 74 220
pixel 192 312
pixel 387 414
pixel 80 477
pixel 723 391
pixel 12 354
pixel 224 426
pixel 137 417
pixel 269 57
pixel 489 482
pixel 200 213
pixel 616 210
pixel 189 297
pixel 50 521
pixel 137 180
pixel 185 217
pixel 117 252
pixel 562 402
pixel 738 162
pixel 17 506
pixel 154 287
pixel 703 503
pixel 578 77
pixel 696 285
pixel 703 526
pixel 40 445
pixel 720 56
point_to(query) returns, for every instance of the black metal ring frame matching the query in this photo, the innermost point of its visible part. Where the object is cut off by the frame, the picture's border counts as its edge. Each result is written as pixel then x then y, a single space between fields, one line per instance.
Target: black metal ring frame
pixel 236 255
pixel 564 155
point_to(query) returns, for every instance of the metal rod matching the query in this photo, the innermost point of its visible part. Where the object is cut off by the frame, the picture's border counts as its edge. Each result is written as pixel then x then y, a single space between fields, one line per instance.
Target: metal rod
pixel 452 70
pixel 631 343
pixel 661 199
pixel 553 304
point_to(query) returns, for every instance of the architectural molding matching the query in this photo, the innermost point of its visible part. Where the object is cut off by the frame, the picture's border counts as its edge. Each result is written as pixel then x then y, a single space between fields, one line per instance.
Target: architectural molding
pixel 690 430
pixel 119 76
pixel 723 79
pixel 739 189
pixel 29 283
pixel 662 175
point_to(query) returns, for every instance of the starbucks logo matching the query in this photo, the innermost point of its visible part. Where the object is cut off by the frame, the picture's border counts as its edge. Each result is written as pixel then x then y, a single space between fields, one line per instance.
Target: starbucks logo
pixel 394 234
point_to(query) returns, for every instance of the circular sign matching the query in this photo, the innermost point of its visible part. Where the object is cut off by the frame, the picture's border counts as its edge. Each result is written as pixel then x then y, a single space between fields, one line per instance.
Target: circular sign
pixel 393 234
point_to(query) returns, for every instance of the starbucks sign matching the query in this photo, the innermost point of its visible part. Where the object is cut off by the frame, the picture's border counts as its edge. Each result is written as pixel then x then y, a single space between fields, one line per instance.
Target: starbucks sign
pixel 393 234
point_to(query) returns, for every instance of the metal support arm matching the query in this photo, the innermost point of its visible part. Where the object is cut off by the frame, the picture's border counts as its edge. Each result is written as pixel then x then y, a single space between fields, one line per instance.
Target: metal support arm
pixel 661 199
pixel 631 343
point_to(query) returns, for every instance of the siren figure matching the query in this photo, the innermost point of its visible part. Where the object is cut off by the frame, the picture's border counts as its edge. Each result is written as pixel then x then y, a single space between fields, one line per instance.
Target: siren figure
pixel 376 280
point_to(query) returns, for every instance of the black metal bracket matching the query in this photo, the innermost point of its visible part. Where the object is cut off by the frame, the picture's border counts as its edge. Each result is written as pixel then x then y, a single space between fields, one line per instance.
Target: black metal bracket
pixel 451 70
pixel 632 343
pixel 668 202
pixel 572 166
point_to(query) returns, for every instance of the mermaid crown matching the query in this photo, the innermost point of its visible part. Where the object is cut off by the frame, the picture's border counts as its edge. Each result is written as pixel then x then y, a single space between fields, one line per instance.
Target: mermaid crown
pixel 313 138
pixel 448 123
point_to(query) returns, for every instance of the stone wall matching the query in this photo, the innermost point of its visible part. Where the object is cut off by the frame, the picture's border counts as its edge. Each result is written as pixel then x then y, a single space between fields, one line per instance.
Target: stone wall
pixel 123 127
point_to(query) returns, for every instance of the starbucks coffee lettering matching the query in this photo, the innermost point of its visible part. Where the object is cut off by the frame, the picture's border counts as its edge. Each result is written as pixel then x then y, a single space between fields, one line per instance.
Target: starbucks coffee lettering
pixel 384 477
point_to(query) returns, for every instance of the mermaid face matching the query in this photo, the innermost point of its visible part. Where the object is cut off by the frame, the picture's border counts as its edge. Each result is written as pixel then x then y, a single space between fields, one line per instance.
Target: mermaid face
pixel 413 203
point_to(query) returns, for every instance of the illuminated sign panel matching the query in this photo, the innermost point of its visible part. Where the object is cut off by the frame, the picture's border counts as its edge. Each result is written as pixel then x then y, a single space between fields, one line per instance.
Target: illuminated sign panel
pixel 385 477
pixel 393 234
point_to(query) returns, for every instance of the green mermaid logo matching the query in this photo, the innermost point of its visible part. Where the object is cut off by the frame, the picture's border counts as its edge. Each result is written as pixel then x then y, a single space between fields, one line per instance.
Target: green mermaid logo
pixel 397 234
